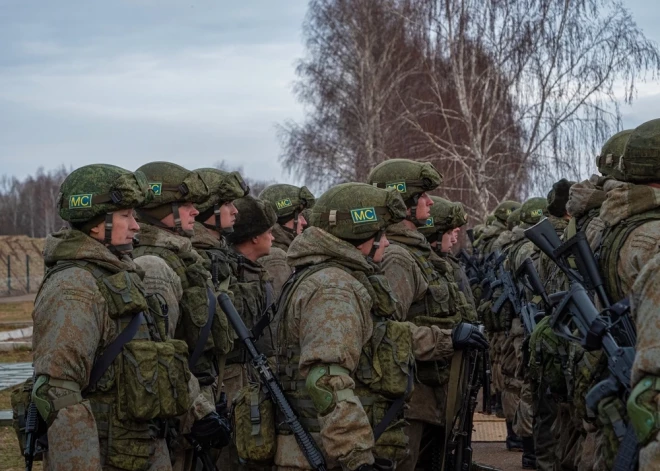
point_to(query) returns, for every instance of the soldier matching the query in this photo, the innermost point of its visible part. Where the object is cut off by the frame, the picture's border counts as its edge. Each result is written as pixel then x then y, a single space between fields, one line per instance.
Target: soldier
pixel 166 226
pixel 642 404
pixel 216 218
pixel 625 236
pixel 498 225
pixel 289 202
pixel 335 309
pixel 424 299
pixel 100 411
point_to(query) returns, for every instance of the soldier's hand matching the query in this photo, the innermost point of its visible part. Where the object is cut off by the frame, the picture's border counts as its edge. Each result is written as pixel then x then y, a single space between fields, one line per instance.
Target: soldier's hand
pixel 212 431
pixel 465 336
pixel 380 464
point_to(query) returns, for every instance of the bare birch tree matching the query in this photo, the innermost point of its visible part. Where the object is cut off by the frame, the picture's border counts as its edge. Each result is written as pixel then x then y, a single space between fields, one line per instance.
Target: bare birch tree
pixel 556 64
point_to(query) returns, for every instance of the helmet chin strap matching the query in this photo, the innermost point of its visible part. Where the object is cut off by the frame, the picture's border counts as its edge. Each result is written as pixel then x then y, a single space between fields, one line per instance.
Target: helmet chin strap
pixel 217 226
pixel 413 213
pixel 107 239
pixel 376 246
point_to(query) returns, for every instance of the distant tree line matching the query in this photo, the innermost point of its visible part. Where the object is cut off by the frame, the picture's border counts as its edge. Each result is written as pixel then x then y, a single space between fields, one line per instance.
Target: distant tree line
pixel 28 206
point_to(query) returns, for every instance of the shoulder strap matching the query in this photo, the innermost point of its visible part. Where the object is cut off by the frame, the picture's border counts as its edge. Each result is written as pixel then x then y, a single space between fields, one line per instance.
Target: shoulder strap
pixel 109 354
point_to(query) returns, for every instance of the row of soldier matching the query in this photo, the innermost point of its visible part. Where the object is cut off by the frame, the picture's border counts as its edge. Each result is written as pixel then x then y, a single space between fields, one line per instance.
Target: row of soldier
pixel 367 321
pixel 543 375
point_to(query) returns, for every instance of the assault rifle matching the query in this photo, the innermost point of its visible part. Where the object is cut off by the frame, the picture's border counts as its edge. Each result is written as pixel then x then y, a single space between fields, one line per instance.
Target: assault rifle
pixel 459 456
pixel 269 381
pixel 531 313
pixel 510 291
pixel 576 318
pixel 34 428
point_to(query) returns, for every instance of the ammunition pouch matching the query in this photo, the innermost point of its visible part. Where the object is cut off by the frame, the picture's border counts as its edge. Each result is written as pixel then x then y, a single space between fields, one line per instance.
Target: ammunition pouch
pixel 253 416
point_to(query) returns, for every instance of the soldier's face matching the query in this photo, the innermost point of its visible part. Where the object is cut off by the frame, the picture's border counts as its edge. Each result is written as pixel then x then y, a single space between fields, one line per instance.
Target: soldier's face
pixel 424 207
pixel 454 236
pixel 366 247
pixel 124 228
pixel 262 243
pixel 187 213
pixel 228 214
pixel 302 222
pixel 447 241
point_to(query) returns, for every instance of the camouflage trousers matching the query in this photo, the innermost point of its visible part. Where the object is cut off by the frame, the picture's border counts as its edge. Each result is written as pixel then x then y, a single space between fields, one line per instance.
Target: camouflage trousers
pixel 497 340
pixel 524 417
pixel 545 443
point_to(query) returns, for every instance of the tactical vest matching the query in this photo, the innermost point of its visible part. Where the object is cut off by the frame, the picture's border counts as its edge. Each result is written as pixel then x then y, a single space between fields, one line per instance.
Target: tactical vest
pixel 148 381
pixel 611 243
pixel 441 306
pixel 550 360
pixel 216 261
pixel 194 306
pixel 384 372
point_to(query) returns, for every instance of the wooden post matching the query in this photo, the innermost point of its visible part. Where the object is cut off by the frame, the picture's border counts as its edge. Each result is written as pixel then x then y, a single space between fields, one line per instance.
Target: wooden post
pixel 8 275
pixel 27 272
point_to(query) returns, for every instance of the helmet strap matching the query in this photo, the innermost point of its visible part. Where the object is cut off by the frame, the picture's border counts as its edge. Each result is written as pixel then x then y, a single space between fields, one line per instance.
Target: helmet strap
pixel 376 245
pixel 413 212
pixel 118 250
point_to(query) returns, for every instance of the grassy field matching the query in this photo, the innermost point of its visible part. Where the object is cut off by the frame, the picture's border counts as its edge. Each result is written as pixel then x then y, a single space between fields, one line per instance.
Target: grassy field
pixel 16 311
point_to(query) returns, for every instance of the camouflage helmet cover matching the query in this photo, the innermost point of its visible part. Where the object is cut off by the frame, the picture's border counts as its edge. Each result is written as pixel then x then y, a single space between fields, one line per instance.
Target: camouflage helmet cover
pixel 532 210
pixel 504 209
pixel 98 189
pixel 445 216
pixel 223 187
pixel 254 218
pixel 172 183
pixel 610 155
pixel 356 211
pixel 641 159
pixel 408 177
pixel 514 219
pixel 287 199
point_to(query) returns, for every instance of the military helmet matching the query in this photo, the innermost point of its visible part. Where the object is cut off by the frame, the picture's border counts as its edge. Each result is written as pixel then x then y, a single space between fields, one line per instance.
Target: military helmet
pixel 641 160
pixel 532 210
pixel 254 218
pixel 223 188
pixel 171 185
pixel 408 177
pixel 505 208
pixel 610 155
pixel 558 197
pixel 288 201
pixel 90 194
pixel 357 211
pixel 98 189
pixel 514 219
pixel 490 219
pixel 445 216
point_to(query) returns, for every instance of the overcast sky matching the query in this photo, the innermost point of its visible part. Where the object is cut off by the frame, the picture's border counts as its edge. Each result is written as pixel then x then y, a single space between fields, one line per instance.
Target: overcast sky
pixel 194 82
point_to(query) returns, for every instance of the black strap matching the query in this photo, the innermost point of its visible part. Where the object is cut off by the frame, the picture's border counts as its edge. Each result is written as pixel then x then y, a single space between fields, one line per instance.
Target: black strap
pixel 204 333
pixel 111 352
pixel 393 410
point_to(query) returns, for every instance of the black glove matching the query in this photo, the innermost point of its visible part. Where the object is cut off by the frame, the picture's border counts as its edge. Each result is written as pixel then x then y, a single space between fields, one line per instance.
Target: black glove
pixel 467 336
pixel 213 431
pixel 380 464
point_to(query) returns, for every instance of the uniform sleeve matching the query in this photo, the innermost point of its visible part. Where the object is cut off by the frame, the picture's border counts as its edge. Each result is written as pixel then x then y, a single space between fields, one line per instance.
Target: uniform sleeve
pixel 431 343
pixel 405 278
pixel 278 268
pixel 70 324
pixel 646 305
pixel 640 247
pixel 334 325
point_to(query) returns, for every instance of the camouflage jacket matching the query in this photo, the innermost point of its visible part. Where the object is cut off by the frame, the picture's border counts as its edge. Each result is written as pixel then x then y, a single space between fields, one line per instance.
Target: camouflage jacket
pixel 275 262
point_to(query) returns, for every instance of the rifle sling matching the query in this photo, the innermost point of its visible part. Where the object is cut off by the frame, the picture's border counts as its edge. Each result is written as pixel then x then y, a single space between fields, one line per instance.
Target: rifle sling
pixel 204 333
pixel 111 352
pixel 393 410
pixel 266 317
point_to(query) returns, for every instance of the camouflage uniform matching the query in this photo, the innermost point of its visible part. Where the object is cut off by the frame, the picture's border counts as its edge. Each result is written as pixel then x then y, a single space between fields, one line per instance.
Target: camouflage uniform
pixel 77 315
pixel 642 405
pixel 493 231
pixel 289 202
pixel 330 310
pixel 626 235
pixel 412 276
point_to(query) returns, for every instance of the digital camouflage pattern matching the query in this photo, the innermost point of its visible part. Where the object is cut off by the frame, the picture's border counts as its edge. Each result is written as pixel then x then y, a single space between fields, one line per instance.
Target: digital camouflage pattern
pixel 408 177
pixel 172 183
pixel 98 189
pixel 287 199
pixel 72 324
pixel 222 188
pixel 609 159
pixel 640 161
pixel 504 209
pixel 646 369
